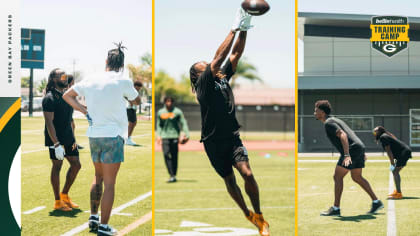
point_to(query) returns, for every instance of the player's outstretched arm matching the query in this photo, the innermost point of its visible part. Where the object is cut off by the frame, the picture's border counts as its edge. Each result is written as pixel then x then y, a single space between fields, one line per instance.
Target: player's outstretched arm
pixel 221 53
pixel 70 97
pixel 238 49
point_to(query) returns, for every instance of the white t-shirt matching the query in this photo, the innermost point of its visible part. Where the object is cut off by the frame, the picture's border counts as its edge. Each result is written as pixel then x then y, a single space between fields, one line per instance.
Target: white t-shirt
pixel 104 94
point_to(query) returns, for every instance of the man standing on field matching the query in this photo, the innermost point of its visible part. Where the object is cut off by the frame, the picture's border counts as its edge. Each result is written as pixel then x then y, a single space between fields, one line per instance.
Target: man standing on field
pixel 352 157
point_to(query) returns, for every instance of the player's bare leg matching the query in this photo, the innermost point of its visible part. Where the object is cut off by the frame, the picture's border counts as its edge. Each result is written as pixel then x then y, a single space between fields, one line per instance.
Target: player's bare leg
pixel 356 175
pixel 339 174
pixel 110 172
pixel 251 186
pixel 235 192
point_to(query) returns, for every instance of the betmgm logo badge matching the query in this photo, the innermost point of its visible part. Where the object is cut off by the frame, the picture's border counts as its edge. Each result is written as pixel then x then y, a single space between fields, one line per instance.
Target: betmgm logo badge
pixel 389 34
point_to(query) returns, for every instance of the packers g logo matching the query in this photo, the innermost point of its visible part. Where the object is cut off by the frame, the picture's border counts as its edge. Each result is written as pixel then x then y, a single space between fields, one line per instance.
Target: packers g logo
pixel 389 34
pixel 389 48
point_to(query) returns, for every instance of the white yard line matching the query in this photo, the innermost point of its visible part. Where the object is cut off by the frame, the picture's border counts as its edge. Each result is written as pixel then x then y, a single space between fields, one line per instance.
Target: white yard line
pixel 84 226
pixel 135 224
pixel 392 223
pixel 216 209
pixel 334 161
pixel 34 210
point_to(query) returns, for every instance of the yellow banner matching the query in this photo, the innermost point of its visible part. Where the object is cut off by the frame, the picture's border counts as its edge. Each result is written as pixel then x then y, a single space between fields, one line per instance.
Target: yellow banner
pixel 389 33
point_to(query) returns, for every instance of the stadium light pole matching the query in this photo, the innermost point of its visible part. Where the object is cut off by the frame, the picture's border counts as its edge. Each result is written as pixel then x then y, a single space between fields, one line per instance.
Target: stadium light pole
pixel 31 94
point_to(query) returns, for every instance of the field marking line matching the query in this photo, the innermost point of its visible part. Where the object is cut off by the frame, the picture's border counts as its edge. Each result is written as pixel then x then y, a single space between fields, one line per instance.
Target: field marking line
pixel 333 161
pixel 118 214
pixel 217 209
pixel 392 223
pixel 34 210
pixel 84 226
pixel 218 190
pixel 135 224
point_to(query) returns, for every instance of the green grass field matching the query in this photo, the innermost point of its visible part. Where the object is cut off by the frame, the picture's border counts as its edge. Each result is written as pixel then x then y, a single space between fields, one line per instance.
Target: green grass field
pixel 257 136
pixel 316 194
pixel 134 180
pixel 200 196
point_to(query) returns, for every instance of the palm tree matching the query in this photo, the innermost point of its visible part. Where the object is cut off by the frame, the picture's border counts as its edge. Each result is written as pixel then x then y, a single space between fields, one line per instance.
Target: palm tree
pixel 245 70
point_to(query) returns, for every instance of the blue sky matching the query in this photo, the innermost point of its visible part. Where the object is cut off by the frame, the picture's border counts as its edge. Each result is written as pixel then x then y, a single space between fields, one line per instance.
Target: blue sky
pixel 189 30
pixel 85 30
pixel 383 7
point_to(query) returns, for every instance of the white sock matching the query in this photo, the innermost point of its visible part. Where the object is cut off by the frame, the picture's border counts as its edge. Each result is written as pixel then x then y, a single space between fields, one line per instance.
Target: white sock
pixel 104 225
pixel 376 201
pixel 97 215
pixel 336 208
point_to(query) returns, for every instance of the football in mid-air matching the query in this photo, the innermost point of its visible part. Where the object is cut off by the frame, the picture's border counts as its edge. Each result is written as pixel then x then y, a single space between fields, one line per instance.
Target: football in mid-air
pixel 255 7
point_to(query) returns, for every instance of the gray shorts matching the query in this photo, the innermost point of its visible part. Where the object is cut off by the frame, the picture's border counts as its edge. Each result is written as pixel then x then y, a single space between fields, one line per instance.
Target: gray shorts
pixel 107 150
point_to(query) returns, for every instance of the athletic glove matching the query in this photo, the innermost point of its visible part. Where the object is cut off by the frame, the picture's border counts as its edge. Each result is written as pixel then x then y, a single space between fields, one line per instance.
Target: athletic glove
pixel 392 168
pixel 59 152
pixel 242 21
pixel 89 119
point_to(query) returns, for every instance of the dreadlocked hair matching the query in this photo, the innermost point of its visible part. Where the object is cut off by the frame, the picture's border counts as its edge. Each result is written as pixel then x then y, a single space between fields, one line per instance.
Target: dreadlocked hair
pixel 193 76
pixel 50 84
pixel 115 59
pixel 381 130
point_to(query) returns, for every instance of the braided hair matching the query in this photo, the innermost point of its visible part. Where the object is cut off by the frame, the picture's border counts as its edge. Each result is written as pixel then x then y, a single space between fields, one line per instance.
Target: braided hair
pixel 381 130
pixel 50 84
pixel 193 76
pixel 115 59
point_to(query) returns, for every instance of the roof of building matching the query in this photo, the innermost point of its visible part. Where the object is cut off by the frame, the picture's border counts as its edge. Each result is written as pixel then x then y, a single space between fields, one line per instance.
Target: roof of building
pixel 261 95
pixel 342 20
pixel 359 82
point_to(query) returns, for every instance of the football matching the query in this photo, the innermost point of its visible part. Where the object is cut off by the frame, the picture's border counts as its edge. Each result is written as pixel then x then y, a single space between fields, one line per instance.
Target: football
pixel 255 7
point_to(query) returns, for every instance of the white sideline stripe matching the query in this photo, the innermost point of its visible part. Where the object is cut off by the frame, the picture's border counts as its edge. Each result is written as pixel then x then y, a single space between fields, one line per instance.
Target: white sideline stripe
pixel 135 224
pixel 84 226
pixel 391 224
pixel 38 150
pixel 119 214
pixel 216 209
pixel 34 210
pixel 218 190
pixel 331 161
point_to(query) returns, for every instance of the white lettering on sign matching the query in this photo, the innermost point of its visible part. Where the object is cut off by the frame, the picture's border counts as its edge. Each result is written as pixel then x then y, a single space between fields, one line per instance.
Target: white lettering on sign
pixel 25 47
pixel 37 48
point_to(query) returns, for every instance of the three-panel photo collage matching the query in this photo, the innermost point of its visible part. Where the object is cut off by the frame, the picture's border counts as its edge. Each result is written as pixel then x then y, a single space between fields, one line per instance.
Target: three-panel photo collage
pixel 209 118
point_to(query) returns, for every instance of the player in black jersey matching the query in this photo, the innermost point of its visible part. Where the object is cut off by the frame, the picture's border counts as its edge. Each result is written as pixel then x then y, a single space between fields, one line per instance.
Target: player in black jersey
pixel 59 138
pixel 220 128
pixel 352 157
pixel 398 154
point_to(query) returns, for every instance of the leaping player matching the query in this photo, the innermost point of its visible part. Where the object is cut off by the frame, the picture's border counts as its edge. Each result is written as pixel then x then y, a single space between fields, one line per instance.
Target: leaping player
pixel 220 128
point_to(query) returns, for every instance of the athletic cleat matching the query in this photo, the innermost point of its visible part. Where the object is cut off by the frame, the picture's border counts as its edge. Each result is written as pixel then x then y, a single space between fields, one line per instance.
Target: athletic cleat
pixel 395 191
pixel 259 222
pixel 331 212
pixel 375 207
pixel 395 195
pixel 105 230
pixel 172 179
pixel 61 206
pixel 130 142
pixel 93 223
pixel 65 198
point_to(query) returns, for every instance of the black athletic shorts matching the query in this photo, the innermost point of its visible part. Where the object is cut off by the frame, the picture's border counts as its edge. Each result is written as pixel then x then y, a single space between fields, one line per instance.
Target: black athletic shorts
pixel 402 161
pixel 224 153
pixel 131 114
pixel 67 149
pixel 357 158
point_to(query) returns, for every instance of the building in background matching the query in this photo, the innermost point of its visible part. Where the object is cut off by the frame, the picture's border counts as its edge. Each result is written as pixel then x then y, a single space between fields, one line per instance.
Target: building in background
pixel 365 87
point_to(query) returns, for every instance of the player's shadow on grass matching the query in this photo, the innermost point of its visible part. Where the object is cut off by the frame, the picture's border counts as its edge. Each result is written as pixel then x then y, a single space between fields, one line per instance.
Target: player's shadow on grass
pixel 405 198
pixel 358 218
pixel 70 214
